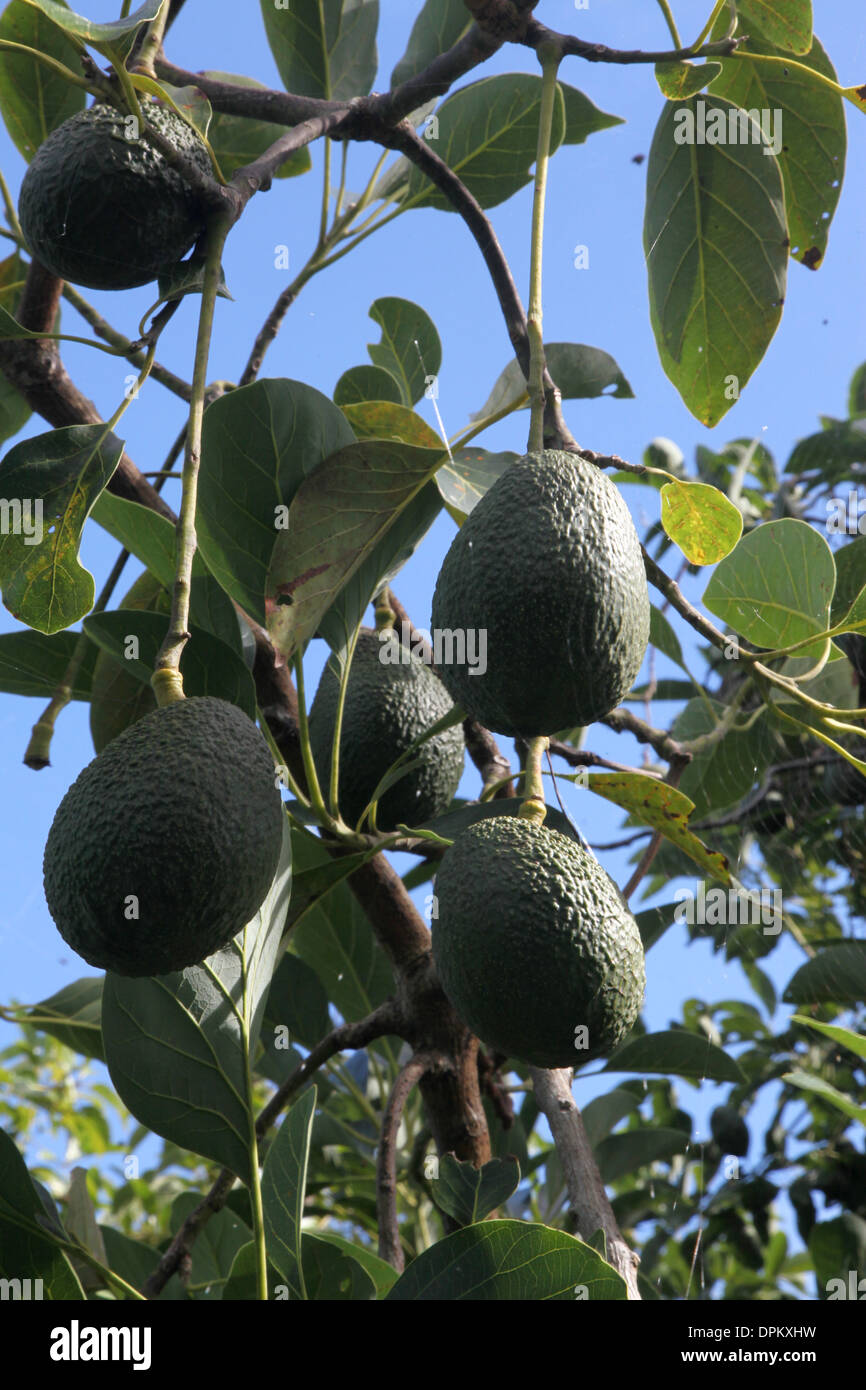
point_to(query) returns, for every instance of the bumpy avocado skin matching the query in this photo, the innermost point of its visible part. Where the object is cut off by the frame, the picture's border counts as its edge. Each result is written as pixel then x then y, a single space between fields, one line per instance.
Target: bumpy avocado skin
pixel 549 565
pixel 388 705
pixel 181 813
pixel 107 212
pixel 531 940
pixel 118 699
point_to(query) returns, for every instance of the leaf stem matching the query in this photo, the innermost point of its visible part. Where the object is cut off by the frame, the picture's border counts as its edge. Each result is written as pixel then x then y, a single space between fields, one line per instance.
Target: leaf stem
pixel 671 23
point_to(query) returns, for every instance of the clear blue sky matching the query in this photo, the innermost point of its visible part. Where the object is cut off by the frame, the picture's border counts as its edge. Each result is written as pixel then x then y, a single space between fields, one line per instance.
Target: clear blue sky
pixel 595 199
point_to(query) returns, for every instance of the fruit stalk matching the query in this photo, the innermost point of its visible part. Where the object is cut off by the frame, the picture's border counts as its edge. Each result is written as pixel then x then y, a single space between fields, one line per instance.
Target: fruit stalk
pixel 549 56
pixel 534 808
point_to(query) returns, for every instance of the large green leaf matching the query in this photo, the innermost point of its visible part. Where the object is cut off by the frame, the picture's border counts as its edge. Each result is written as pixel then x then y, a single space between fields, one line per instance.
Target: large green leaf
pixel 33 663
pixel 14 410
pixel 581 373
pixel 812 154
pixel 722 774
pixel 179 1047
pixel 582 116
pixel 367 383
pixel 832 453
pixel 819 1087
pixel 468 1194
pixel 436 29
pixel 284 1182
pixel 776 586
pixel 113 36
pixel 324 48
pixel 621 1154
pixel 516 1261
pixel 258 444
pixel 487 132
pixel 787 23
pixel 675 1053
pixel 73 1016
pixel 26 1252
pixel 469 473
pixel 836 975
pixel 383 1275
pixel 50 483
pixel 238 140
pixel 333 1273
pixel 297 999
pixel 409 349
pixel 34 100
pixel 713 313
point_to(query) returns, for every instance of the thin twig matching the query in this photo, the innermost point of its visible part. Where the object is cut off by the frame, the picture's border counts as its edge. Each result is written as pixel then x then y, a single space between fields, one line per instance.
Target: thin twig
pixel 390 1248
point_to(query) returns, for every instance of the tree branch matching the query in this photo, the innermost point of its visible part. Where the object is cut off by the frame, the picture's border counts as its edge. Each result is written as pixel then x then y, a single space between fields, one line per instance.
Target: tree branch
pixel 390 1248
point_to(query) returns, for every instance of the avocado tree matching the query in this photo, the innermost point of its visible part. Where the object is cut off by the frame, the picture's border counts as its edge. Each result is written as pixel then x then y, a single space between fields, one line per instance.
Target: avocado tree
pixel 306 1112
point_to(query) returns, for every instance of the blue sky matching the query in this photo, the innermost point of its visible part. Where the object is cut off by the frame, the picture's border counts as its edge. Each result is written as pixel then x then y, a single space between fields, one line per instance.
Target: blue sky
pixel 595 199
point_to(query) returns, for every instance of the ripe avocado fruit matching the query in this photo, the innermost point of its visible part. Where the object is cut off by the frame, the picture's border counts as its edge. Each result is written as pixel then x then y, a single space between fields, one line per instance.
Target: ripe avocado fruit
pixel 549 565
pixel 729 1130
pixel 531 940
pixel 118 699
pixel 388 705
pixel 106 211
pixel 178 822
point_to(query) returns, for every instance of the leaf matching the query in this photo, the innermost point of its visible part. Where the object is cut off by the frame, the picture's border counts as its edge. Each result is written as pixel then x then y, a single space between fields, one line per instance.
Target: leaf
pixel 409 349
pixel 622 1154
pixel 284 1181
pixel 452 823
pixel 702 521
pixel 604 1112
pixel 437 28
pixel 487 132
pixel 34 100
pixel 384 420
pixel 713 314
pixel 207 665
pixel 50 483
pixel 178 1046
pixel 381 1274
pixel 26 1250
pixel 135 1262
pixel 338 516
pixel 111 37
pixel 324 48
pixel 675 1053
pixel 582 116
pixel 519 1261
pixel 829 1093
pixel 579 371
pixel 217 1243
pixel 679 80
pixel 831 453
pixel 73 1015
pixel 367 383
pixel 238 140
pixel 812 154
pixel 186 277
pixel 663 637
pixel 468 1194
pixel 242 1284
pixel 33 663
pixel 258 444
pixel 850 563
pixel 838 1252
pixel 857 393
pixel 332 1273
pixel 720 775
pixel 666 808
pixel 854 1042
pixel 837 975
pixel 469 474
pixel 775 588
pixel 787 23
pixel 653 922
pixel 80 1222
pixel 297 1000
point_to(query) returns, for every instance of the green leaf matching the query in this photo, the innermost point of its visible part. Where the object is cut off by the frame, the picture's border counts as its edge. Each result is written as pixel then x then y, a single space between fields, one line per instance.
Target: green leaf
pixel 850 562
pixel 857 393
pixel 812 153
pixel 663 637
pixel 216 1244
pixel 73 1016
pixel 384 420
pixel 604 1112
pixel 33 663
pixel 487 132
pixel 827 1092
pixel 832 453
pixel 580 372
pixel 14 410
pixel 409 349
pixel 338 516
pixel 776 587
pixel 622 1154
pixel 207 665
pixel 34 100
pixel 436 29
pixel 720 775
pixel 297 999
pixel 713 314
pixel 367 383
pixel 258 444
pixel 838 1250
pixel 787 23
pixel 854 1042
pixel 468 1194
pixel 675 1053
pixel 238 140
pixel 702 521
pixel 50 483
pixel 111 37
pixel 334 1274
pixel 500 1261
pixel 135 1262
pixel 653 802
pixel 464 480
pixel 582 116
pixel 242 1283
pixel 450 825
pixel 284 1182
pixel 653 922
pixel 179 1046
pixel 324 48
pixel 837 975
pixel 679 80
pixel 26 1251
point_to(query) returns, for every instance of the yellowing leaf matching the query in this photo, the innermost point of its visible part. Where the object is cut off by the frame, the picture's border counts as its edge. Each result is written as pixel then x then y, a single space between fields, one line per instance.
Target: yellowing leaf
pixel 702 521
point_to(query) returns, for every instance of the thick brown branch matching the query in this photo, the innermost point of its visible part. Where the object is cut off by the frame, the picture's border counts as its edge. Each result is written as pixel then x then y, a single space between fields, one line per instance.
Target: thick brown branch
pixel 390 1248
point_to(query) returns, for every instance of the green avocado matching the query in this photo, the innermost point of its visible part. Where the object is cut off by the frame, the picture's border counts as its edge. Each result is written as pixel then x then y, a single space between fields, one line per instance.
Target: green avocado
pixel 117 698
pixel 532 941
pixel 388 705
pixel 166 844
pixel 729 1130
pixel 548 565
pixel 103 208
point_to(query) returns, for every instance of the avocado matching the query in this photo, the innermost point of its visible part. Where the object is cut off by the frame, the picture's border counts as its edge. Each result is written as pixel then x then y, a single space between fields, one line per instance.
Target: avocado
pixel 118 698
pixel 388 705
pixel 532 941
pixel 549 566
pixel 729 1130
pixel 166 844
pixel 103 208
